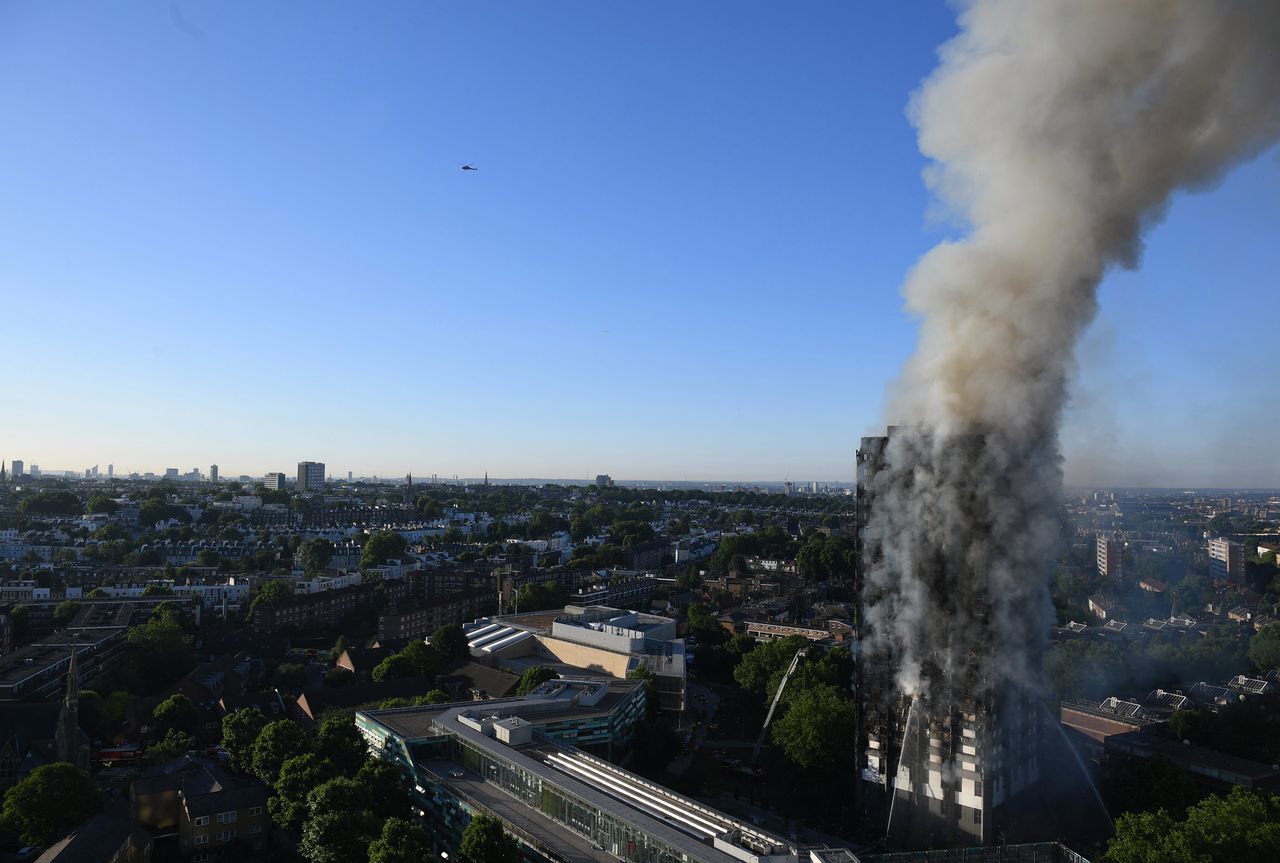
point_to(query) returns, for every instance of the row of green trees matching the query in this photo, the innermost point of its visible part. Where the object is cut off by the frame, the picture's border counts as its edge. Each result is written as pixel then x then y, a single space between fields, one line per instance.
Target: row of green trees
pixel 1096 670
pixel 347 805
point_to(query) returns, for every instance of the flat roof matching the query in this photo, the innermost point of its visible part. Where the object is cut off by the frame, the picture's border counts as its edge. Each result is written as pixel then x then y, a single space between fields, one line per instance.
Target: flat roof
pixel 417 723
pixel 531 758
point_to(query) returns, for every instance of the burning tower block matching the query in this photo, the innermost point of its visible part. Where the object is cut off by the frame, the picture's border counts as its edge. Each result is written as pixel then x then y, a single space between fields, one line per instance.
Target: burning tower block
pixel 948 725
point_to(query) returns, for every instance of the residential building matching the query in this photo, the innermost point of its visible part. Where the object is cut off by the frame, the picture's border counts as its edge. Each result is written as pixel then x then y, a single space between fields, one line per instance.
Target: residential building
pixel 1110 559
pixel 310 476
pixel 418 618
pixel 213 473
pixel 101 839
pixel 17 468
pixel 210 812
pixel 274 481
pixel 1226 560
pixel 955 759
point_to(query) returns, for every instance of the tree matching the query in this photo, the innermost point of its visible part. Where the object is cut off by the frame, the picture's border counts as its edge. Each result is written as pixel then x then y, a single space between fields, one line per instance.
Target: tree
pixel 704 625
pixel 1264 647
pixel 435 696
pixel 270 593
pixel 388 788
pixel 533 678
pixel 338 740
pixel 427 661
pixel 176 713
pixel 339 794
pixel 97 593
pixel 815 730
pixel 315 554
pixel 65 613
pixel 380 547
pixel 240 730
pixel 339 648
pixel 484 841
pixel 292 676
pixel 21 618
pixel 1243 827
pixel 170 746
pixel 103 504
pixel 394 667
pixel 277 743
pixel 338 676
pixel 52 800
pixel 298 776
pixel 337 836
pixel 761 670
pixel 1149 784
pixel 400 842
pixel 451 642
pixel 94 718
pixel 159 651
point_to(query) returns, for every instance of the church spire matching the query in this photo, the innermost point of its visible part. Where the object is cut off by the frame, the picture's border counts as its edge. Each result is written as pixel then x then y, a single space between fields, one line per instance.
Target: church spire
pixel 67 735
pixel 71 701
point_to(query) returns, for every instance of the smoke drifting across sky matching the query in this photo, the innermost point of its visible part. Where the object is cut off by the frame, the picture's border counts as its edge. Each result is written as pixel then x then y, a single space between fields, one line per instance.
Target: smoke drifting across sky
pixel 1058 130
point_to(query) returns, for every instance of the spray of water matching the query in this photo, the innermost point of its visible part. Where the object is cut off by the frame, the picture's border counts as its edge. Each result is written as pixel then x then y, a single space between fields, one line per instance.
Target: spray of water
pixel 1084 771
pixel 906 735
pixel 1057 130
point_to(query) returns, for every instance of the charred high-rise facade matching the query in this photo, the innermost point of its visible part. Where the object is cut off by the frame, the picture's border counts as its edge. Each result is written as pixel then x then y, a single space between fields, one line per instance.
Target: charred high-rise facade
pixel 946 725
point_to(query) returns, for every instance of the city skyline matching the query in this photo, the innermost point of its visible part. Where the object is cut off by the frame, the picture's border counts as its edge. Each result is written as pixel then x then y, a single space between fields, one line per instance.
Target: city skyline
pixel 276 256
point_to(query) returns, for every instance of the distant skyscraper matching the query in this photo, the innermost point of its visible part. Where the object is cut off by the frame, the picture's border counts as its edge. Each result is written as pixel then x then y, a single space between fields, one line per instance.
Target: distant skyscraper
pixel 111 471
pixel 348 476
pixel 1226 560
pixel 1110 554
pixel 310 475
pixel 213 473
pixel 603 480
pixel 274 481
pixel 16 469
pixel 35 470
pixel 171 473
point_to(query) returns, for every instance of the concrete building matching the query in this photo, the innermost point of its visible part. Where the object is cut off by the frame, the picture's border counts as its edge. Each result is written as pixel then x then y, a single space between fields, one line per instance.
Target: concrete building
pixel 1226 560
pixel 213 473
pixel 17 468
pixel 600 639
pixel 310 475
pixel 171 473
pixel 1110 559
pixel 958 756
pixel 504 759
pixel 274 481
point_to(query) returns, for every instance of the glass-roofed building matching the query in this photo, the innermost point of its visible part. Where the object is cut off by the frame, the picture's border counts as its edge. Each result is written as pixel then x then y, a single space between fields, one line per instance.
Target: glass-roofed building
pixel 521 760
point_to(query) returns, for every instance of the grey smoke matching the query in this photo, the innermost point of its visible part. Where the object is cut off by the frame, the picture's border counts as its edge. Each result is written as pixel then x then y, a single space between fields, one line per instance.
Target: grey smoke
pixel 1058 130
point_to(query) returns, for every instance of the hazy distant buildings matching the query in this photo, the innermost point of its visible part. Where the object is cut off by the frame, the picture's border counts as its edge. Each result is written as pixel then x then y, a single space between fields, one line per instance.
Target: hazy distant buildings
pixel 1110 556
pixel 603 480
pixel 274 481
pixel 16 468
pixel 310 475
pixel 111 471
pixel 213 473
pixel 171 473
pixel 1226 560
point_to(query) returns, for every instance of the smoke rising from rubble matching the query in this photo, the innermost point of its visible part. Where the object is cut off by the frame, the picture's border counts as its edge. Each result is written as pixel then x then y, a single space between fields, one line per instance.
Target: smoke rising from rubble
pixel 1058 130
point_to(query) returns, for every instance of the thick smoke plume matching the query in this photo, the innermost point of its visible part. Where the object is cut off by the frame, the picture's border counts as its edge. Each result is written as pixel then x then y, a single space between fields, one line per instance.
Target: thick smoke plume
pixel 1058 130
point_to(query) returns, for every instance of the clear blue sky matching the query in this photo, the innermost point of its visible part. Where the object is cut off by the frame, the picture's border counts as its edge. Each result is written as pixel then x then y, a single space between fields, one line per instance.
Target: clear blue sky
pixel 238 233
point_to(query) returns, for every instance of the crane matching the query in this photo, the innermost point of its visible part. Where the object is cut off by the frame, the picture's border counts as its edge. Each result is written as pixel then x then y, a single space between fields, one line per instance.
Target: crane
pixel 777 696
